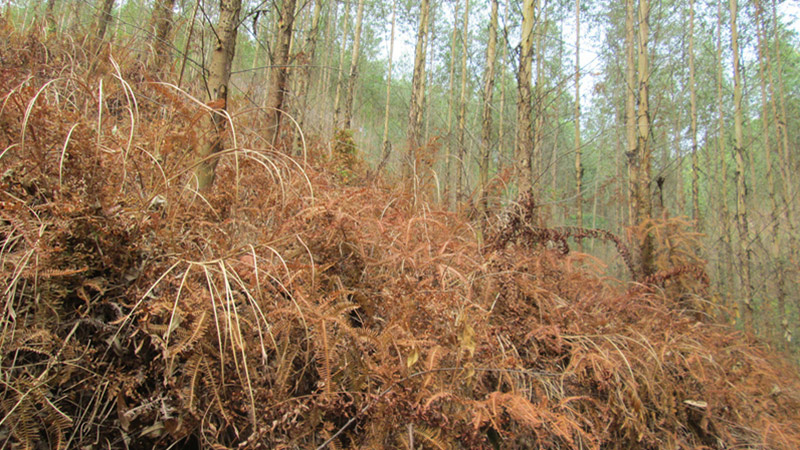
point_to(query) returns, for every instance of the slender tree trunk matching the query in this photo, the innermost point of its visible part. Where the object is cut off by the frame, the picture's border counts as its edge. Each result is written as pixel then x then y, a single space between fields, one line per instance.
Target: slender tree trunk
pixel 577 120
pixel 744 255
pixel 780 271
pixel 630 109
pixel 385 145
pixel 643 201
pixel 280 73
pixel 721 150
pixel 428 81
pixel 787 162
pixel 309 53
pixel 693 114
pixel 103 20
pixel 417 95
pixel 539 94
pixel 488 91
pixel 501 126
pixel 450 106
pixel 219 74
pixel 337 97
pixel 462 112
pixel 162 20
pixel 188 42
pixel 351 87
pixel 524 132
pixel 330 28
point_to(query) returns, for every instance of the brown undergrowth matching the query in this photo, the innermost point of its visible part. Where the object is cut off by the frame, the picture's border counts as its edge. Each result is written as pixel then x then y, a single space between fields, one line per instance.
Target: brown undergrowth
pixel 289 309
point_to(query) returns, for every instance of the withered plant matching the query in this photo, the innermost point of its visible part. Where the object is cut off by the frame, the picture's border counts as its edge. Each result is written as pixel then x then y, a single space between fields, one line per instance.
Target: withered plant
pixel 292 306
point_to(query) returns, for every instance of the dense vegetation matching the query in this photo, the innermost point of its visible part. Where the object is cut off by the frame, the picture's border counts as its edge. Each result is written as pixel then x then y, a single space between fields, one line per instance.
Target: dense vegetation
pixel 186 266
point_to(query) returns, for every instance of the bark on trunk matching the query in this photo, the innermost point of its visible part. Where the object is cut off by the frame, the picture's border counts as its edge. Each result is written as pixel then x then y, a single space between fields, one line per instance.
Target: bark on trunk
pixel 103 20
pixel 450 106
pixel 780 271
pixel 280 73
pixel 351 86
pixel 524 132
pixel 488 91
pixel 461 160
pixel 219 74
pixel 577 120
pixel 417 96
pixel 721 150
pixel 162 21
pixel 630 109
pixel 744 255
pixel 337 109
pixel 643 201
pixel 693 114
pixel 385 145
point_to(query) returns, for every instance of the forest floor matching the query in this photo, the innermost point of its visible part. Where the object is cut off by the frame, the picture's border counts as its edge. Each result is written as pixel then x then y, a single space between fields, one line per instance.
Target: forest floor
pixel 301 304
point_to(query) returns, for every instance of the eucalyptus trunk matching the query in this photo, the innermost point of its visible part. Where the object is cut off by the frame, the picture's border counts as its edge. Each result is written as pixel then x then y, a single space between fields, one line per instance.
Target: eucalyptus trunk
pixel 417 95
pixel 351 86
pixel 461 160
pixel 744 253
pixel 279 75
pixel 162 21
pixel 643 206
pixel 337 111
pixel 577 120
pixel 450 106
pixel 488 91
pixel 524 109
pixel 386 147
pixel 219 74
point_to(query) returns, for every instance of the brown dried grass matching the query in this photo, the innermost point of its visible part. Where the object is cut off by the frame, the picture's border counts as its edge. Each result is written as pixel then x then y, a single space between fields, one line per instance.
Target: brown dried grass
pixel 289 308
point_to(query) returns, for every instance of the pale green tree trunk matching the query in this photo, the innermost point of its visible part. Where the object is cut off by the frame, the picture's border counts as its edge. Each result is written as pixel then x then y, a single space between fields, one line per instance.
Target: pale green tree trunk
pixel 744 254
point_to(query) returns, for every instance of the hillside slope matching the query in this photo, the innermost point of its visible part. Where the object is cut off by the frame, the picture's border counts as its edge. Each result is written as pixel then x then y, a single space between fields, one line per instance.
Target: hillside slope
pixel 297 306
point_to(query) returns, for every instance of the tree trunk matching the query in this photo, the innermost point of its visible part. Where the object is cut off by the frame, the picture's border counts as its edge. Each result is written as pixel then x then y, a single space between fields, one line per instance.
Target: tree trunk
pixel 630 109
pixel 103 20
pixel 330 29
pixel 162 21
pixel 488 91
pixel 461 160
pixel 385 145
pixel 351 87
pixel 744 255
pixel 450 105
pixel 721 150
pixel 780 271
pixel 577 120
pixel 524 132
pixel 501 126
pixel 539 93
pixel 643 201
pixel 428 81
pixel 693 114
pixel 219 73
pixel 417 96
pixel 310 52
pixel 280 73
pixel 337 111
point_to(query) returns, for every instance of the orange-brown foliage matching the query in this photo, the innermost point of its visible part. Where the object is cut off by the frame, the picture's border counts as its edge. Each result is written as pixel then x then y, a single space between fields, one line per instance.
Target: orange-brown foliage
pixel 286 309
